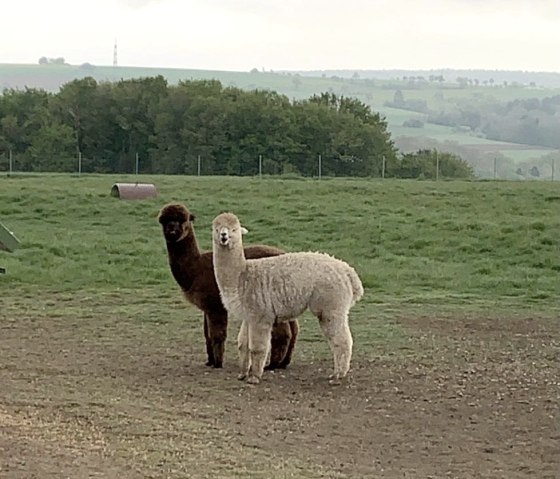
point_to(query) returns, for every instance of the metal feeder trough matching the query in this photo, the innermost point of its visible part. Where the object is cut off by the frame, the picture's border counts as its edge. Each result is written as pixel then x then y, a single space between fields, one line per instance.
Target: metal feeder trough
pixel 133 191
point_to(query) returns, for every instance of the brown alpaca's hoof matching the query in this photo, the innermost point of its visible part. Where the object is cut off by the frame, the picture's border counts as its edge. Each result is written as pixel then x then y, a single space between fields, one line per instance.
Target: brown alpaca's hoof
pixel 209 363
pixel 272 367
pixel 283 364
pixel 217 366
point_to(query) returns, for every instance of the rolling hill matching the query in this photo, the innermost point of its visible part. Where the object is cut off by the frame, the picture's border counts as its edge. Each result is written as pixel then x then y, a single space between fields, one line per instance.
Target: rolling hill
pixel 435 89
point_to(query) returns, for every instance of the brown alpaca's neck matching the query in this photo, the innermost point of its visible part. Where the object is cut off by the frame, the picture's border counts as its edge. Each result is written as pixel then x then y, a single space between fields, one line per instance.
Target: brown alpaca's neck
pixel 184 256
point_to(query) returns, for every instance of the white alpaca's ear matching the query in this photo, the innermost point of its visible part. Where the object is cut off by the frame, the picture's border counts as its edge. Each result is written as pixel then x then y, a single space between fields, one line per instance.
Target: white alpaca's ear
pixel 244 231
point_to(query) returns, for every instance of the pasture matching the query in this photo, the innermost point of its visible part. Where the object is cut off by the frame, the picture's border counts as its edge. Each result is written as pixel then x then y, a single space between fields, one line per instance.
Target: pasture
pixel 456 342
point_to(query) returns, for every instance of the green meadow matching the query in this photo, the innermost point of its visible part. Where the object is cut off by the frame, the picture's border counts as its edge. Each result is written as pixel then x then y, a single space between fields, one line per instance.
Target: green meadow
pixel 417 245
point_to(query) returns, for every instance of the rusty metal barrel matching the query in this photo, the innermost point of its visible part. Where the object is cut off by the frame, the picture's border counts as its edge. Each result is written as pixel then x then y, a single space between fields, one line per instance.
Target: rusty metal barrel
pixel 133 191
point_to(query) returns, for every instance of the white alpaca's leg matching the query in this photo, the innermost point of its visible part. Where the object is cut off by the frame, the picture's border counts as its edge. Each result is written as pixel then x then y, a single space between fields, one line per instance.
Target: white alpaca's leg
pixel 259 344
pixel 335 328
pixel 243 350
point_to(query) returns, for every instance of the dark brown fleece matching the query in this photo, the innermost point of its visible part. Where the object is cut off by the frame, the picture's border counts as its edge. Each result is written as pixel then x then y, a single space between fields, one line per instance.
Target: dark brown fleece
pixel 194 272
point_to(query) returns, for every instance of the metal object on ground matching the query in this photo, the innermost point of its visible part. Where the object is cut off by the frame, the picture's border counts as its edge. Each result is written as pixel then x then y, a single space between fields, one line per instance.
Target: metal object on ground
pixel 8 242
pixel 133 191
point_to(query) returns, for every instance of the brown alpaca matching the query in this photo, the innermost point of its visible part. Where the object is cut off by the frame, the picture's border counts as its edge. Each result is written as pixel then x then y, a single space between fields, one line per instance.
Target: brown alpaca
pixel 194 272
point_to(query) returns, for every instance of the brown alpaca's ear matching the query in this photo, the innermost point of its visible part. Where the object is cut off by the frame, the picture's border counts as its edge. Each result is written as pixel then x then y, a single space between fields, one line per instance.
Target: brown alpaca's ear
pixel 192 217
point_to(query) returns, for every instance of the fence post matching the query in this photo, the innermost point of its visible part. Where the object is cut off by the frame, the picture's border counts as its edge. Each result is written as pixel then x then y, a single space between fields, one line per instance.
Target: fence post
pixel 136 163
pixel 79 163
pixel 495 168
pixel 437 166
pixel 198 165
pixel 11 162
pixel 260 166
pixel 319 166
pixel 383 168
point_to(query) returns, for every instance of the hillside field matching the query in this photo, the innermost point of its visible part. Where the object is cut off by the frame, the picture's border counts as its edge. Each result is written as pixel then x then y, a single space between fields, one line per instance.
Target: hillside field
pixel 456 341
pixel 374 92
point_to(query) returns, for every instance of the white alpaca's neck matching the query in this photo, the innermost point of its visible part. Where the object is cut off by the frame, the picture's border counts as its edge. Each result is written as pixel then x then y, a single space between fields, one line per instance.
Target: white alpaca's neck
pixel 229 264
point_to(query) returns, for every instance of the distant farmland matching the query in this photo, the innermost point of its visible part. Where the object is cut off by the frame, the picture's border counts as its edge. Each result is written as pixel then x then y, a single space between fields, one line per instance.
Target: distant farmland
pixel 376 92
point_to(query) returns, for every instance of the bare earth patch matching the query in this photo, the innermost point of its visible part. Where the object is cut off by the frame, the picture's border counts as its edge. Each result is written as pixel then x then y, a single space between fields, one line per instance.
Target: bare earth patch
pixel 467 397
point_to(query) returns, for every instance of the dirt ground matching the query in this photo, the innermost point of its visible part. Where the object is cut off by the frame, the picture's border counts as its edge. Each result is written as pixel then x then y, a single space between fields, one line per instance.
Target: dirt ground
pixel 466 397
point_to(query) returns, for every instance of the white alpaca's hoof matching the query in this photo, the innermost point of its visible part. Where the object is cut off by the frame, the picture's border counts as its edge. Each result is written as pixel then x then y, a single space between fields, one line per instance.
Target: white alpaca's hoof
pixel 336 379
pixel 253 380
pixel 241 376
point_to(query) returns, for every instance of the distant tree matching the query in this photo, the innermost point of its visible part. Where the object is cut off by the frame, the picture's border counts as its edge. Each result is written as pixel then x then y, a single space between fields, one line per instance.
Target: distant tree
pixel 423 164
pixel 21 113
pixel 413 123
pixel 52 148
pixel 398 99
pixel 43 61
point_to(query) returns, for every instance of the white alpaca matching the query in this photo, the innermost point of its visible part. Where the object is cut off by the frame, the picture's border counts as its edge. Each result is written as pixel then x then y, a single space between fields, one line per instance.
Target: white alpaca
pixel 263 291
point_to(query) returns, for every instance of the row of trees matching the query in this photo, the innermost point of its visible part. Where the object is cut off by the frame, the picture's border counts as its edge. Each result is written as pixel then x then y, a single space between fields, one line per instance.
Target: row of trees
pixel 169 127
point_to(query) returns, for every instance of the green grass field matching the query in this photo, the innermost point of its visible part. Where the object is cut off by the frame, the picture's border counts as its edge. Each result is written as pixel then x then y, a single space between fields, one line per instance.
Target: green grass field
pixel 418 246
pixel 447 244
pixel 455 341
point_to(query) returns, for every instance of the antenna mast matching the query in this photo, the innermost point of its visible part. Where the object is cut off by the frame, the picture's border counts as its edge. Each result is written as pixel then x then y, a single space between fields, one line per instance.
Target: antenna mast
pixel 115 54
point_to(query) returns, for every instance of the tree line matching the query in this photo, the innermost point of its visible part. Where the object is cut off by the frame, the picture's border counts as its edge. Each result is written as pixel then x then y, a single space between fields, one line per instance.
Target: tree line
pixel 170 126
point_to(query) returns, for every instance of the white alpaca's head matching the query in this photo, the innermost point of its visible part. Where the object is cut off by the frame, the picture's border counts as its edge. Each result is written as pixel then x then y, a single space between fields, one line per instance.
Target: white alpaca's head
pixel 227 231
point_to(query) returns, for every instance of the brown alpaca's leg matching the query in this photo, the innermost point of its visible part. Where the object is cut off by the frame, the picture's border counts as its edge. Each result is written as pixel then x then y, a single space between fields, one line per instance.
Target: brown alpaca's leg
pixel 209 352
pixel 294 331
pixel 217 332
pixel 279 343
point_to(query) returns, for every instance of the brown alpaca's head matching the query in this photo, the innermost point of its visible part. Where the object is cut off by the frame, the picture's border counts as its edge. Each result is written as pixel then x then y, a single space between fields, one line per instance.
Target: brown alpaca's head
pixel 176 222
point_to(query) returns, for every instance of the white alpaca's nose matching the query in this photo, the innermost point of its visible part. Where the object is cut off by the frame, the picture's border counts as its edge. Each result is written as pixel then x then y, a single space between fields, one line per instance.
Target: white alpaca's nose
pixel 224 237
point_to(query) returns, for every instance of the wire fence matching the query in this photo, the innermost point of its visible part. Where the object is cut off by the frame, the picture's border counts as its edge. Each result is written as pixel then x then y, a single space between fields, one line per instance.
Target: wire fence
pixel 546 168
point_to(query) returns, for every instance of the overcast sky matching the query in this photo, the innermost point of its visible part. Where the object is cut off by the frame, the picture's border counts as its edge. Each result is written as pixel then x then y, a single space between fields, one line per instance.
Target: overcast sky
pixel 286 34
